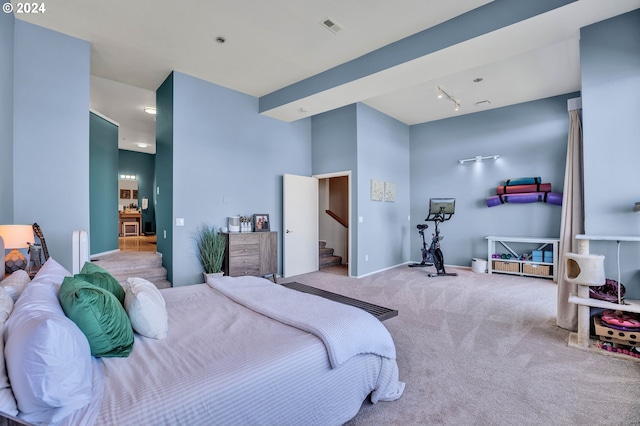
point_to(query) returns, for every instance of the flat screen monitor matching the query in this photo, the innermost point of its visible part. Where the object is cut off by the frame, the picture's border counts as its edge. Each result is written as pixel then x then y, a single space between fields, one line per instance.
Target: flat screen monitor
pixel 436 205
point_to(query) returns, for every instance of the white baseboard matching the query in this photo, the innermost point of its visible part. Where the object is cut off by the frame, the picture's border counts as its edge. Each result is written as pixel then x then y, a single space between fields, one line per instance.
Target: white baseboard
pixel 91 256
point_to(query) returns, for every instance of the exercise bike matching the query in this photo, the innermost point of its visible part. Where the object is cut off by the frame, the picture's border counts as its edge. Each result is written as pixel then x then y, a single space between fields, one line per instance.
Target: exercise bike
pixel 440 210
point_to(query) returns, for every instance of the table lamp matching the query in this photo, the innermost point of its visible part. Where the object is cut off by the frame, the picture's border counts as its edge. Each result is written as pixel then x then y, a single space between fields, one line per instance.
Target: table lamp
pixel 16 237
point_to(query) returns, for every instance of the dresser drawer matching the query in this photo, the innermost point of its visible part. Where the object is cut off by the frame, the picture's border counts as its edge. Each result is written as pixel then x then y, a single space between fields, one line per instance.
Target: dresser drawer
pixel 244 249
pixel 244 265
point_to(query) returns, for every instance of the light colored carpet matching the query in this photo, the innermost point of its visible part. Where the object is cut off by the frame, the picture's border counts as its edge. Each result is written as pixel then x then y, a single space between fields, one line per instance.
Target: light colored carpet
pixel 482 349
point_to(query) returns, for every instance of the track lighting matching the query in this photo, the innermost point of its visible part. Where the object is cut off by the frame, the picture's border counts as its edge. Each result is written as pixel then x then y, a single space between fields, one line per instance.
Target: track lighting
pixel 479 158
pixel 442 94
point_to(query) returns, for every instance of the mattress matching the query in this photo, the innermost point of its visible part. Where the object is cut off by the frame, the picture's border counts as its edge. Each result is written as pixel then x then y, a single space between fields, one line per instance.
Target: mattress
pixel 225 364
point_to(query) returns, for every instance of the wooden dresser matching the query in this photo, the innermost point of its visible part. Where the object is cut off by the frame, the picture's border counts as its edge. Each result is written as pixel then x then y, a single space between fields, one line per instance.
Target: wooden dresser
pixel 251 253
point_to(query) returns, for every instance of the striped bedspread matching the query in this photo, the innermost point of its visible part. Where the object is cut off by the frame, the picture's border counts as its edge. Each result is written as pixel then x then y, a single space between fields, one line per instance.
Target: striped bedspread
pixel 224 364
pixel 345 330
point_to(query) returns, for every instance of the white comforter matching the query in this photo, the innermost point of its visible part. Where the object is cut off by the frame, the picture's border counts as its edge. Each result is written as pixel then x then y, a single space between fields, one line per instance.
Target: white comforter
pixel 345 330
pixel 225 364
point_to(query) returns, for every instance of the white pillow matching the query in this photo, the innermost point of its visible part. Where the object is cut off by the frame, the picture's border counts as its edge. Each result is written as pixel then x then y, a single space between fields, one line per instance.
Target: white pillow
pixel 15 283
pixel 7 400
pixel 6 306
pixel 48 359
pixel 51 273
pixel 146 308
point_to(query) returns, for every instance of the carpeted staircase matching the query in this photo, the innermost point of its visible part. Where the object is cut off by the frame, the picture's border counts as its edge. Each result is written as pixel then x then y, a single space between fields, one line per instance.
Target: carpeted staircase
pixel 125 264
pixel 327 258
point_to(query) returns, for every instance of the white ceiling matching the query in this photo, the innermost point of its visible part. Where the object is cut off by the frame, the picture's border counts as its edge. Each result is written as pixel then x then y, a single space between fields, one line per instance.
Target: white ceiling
pixel 272 44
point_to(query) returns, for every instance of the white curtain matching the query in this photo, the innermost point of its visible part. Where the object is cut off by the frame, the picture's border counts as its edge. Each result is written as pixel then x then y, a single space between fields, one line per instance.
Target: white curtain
pixel 572 220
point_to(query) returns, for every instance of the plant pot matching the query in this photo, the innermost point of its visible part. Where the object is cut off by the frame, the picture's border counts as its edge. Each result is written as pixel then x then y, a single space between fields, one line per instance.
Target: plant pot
pixel 214 275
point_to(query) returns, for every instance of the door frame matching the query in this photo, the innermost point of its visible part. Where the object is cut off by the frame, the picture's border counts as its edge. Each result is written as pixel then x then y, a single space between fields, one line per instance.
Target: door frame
pixel 346 173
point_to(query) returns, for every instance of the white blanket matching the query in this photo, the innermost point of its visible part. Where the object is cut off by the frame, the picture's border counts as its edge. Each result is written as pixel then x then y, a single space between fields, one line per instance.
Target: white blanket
pixel 345 330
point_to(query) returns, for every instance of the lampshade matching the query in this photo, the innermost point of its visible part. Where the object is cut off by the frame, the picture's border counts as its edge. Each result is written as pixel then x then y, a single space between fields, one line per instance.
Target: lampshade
pixel 16 236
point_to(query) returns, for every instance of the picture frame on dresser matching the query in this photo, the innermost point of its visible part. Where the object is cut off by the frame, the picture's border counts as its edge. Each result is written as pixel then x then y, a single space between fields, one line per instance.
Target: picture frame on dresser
pixel 261 223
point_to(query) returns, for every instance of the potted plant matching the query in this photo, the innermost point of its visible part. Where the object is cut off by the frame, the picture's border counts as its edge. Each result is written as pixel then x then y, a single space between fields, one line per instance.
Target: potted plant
pixel 211 244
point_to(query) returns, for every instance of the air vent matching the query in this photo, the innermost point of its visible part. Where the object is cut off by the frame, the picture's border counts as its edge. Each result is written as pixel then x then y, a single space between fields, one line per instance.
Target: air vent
pixel 486 102
pixel 331 25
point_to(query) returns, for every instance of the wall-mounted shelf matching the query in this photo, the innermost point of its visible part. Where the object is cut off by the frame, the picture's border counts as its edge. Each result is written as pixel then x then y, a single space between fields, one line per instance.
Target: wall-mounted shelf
pixel 515 266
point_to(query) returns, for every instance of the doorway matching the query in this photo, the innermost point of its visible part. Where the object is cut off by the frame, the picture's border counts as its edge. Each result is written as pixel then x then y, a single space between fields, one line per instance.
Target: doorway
pixel 334 230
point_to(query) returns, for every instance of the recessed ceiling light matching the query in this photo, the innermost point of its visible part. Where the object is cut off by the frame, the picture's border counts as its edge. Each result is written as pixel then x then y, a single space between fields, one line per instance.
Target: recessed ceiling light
pixel 150 110
pixel 142 144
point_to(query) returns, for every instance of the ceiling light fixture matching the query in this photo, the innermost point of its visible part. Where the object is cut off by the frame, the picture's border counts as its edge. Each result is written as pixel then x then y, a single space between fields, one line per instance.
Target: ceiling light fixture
pixel 442 93
pixel 150 110
pixel 142 144
pixel 479 158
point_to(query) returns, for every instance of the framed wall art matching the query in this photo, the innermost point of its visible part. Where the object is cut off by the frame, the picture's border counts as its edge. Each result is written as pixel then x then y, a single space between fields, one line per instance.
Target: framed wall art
pixel 389 191
pixel 377 190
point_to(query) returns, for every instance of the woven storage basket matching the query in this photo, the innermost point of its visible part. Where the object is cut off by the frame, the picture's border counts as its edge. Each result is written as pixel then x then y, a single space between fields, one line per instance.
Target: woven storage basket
pixel 533 269
pixel 506 266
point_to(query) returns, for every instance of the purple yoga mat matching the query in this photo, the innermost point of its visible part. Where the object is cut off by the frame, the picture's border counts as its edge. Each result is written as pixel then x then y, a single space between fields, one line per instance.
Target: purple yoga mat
pixel 529 197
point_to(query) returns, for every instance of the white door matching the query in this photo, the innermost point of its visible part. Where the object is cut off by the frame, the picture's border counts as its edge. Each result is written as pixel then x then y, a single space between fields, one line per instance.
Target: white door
pixel 300 220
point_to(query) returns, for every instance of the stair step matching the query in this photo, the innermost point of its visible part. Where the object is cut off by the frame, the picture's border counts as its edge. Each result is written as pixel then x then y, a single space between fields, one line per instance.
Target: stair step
pixel 149 274
pixel 322 244
pixel 146 265
pixel 324 252
pixel 328 261
pixel 127 261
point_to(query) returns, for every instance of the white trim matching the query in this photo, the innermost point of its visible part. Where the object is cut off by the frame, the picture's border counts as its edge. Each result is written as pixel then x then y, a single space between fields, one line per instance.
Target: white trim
pixel 104 253
pixel 104 117
pixel 346 173
pixel 574 103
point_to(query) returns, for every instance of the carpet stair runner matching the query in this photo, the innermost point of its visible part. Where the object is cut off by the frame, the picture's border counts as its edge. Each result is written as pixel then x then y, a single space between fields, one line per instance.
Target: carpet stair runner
pixel 327 258
pixel 122 265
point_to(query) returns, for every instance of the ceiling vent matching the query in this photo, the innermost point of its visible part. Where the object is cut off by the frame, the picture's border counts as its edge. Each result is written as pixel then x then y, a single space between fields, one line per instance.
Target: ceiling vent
pixel 331 25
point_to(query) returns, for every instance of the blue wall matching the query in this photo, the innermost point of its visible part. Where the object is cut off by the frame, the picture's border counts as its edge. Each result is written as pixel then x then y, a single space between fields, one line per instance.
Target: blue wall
pixel 103 182
pixel 531 139
pixel 371 145
pixel 610 61
pixel 6 117
pixel 142 165
pixel 383 154
pixel 51 135
pixel 334 136
pixel 227 160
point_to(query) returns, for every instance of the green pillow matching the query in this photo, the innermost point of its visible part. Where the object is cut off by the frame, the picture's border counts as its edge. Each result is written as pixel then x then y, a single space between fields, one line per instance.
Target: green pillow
pixel 95 275
pixel 99 315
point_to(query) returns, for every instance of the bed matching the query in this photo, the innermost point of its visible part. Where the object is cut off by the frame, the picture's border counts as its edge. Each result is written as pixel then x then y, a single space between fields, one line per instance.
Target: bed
pixel 241 351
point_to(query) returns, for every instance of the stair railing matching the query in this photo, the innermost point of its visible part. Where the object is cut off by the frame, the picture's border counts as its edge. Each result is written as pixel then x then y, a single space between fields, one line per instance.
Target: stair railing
pixel 337 218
